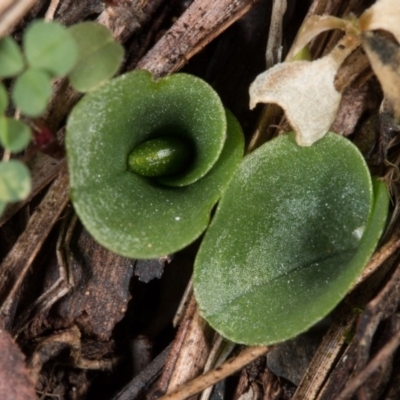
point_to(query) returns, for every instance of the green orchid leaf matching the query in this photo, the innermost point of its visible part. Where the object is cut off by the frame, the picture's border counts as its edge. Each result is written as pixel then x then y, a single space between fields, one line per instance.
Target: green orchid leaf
pixel 99 56
pixel 3 99
pixel 148 217
pixel 50 47
pixel 294 229
pixel 15 181
pixel 14 135
pixel 11 59
pixel 32 91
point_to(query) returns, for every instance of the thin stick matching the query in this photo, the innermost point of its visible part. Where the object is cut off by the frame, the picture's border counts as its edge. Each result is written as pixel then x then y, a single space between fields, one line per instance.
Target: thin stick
pixel 145 378
pixel 51 10
pixel 274 45
pixel 373 365
pixel 379 258
pixel 12 15
pixel 214 376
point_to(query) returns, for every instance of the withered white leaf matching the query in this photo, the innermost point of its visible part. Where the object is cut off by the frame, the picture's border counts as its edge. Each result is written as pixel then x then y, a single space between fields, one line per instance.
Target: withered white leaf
pixel 384 56
pixel 384 14
pixel 312 27
pixel 306 92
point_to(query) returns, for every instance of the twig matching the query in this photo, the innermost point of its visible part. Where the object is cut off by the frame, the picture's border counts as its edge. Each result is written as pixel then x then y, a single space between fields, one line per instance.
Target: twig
pixel 374 364
pixel 194 352
pixel 198 25
pixel 274 44
pixel 219 353
pixel 51 10
pixel 17 262
pixel 379 258
pixel 214 376
pixel 13 14
pixel 145 378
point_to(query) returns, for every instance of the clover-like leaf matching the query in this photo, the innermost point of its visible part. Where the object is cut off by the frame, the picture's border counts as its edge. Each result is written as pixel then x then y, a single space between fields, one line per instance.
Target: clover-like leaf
pixel 128 213
pixel 11 60
pixel 99 56
pixel 50 47
pixel 14 135
pixel 32 91
pixel 15 181
pixel 294 228
pixel 3 99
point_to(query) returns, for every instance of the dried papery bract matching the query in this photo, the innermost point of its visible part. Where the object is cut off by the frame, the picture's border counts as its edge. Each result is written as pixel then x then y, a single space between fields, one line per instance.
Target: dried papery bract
pixel 384 56
pixel 384 14
pixel 315 25
pixel 383 53
pixel 306 91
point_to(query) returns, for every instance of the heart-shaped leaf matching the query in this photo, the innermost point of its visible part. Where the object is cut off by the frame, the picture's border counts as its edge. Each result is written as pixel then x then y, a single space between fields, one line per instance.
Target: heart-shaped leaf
pixel 148 217
pixel 31 92
pixel 99 56
pixel 50 47
pixel 14 135
pixel 11 60
pixel 15 181
pixel 287 240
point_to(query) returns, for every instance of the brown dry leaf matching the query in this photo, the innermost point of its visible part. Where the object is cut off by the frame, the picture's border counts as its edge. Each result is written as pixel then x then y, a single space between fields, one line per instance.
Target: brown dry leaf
pixel 15 383
pixel 384 14
pixel 384 56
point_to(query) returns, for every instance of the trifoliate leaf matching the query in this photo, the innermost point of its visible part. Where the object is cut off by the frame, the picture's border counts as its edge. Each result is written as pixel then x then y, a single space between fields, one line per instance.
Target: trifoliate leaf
pixel 11 60
pixel 384 14
pixel 99 56
pixel 49 46
pixel 15 181
pixel 3 99
pixel 14 135
pixel 31 92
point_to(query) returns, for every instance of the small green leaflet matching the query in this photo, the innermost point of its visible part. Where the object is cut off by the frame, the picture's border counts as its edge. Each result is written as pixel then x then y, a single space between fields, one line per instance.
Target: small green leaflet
pixel 50 47
pixel 15 181
pixel 11 60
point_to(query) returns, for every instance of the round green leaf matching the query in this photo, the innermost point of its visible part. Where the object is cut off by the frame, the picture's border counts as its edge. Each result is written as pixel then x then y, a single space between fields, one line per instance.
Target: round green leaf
pixel 31 92
pixel 15 181
pixel 14 135
pixel 49 46
pixel 11 60
pixel 127 213
pixel 287 240
pixel 99 56
pixel 3 99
